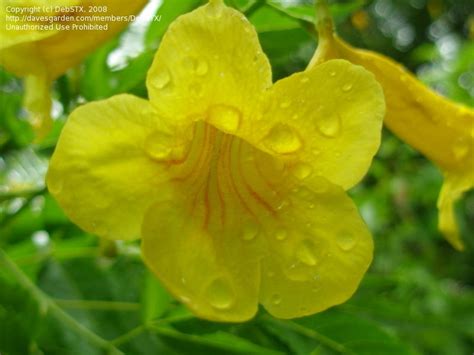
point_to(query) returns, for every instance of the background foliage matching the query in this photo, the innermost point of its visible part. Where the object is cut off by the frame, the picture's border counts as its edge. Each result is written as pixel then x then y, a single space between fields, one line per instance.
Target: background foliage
pixel 64 292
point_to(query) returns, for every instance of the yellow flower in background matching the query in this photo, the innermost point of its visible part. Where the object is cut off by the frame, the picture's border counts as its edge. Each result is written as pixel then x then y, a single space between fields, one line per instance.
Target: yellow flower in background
pixel 440 129
pixel 34 43
pixel 235 185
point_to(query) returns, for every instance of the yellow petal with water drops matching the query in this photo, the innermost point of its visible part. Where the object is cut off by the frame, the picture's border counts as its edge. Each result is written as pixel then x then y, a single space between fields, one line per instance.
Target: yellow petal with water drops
pixel 328 119
pixel 210 66
pixel 439 128
pixel 105 170
pixel 205 240
pixel 320 258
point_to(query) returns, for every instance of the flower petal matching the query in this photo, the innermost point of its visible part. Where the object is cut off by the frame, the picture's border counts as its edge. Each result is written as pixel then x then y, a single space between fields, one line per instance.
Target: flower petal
pixel 319 257
pixel 454 185
pixel 57 51
pixel 214 271
pixel 210 66
pixel 439 128
pixel 101 173
pixel 204 240
pixel 328 117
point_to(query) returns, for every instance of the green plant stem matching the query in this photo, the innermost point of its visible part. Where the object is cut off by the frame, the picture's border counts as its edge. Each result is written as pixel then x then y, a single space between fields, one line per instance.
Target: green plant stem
pixel 47 305
pixel 98 305
pixel 155 324
pixel 309 333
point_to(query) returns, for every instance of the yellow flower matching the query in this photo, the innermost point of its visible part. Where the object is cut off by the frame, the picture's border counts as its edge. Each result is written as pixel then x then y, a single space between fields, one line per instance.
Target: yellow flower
pixel 236 185
pixel 440 129
pixel 35 44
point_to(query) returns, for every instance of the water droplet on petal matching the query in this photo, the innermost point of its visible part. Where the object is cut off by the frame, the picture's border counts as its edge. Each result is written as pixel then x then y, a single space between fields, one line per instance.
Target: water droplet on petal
pixel 202 68
pixel 333 73
pixel 276 299
pixel 219 294
pixel 281 234
pixel 302 171
pixel 330 127
pixel 225 118
pixel 347 87
pixel 159 146
pixel 282 139
pixel 305 253
pixel 319 184
pixel 346 241
pixel 250 231
pixel 304 80
pixel 461 148
pixel 162 79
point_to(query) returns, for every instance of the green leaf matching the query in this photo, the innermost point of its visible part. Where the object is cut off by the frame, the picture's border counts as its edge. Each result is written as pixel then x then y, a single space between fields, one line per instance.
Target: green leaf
pixel 155 299
pixel 307 12
pixel 216 343
pixel 335 331
pixel 19 318
pixel 168 12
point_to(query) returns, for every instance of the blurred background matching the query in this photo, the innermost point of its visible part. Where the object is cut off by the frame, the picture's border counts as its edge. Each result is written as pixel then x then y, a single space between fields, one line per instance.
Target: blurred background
pixel 62 291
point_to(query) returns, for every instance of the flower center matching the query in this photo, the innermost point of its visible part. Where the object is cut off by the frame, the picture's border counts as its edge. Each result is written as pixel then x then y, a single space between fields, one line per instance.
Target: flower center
pixel 220 175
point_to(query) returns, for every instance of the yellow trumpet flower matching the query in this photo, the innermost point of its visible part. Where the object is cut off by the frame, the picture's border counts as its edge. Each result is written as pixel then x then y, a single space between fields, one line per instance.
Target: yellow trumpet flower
pixel 40 40
pixel 440 129
pixel 235 185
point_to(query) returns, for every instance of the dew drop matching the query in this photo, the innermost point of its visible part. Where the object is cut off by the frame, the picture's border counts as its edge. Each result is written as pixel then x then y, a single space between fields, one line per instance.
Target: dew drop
pixel 225 118
pixel 162 79
pixel 347 87
pixel 250 231
pixel 330 127
pixel 202 68
pixel 461 148
pixel 306 254
pixel 219 294
pixel 281 234
pixel 276 299
pixel 302 171
pixel 333 73
pixel 304 80
pixel 158 146
pixel 346 241
pixel 282 140
pixel 184 299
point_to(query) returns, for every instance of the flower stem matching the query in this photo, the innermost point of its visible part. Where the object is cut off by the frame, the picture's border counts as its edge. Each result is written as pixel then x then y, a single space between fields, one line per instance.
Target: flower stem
pixel 324 21
pixel 47 305
pixel 326 34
